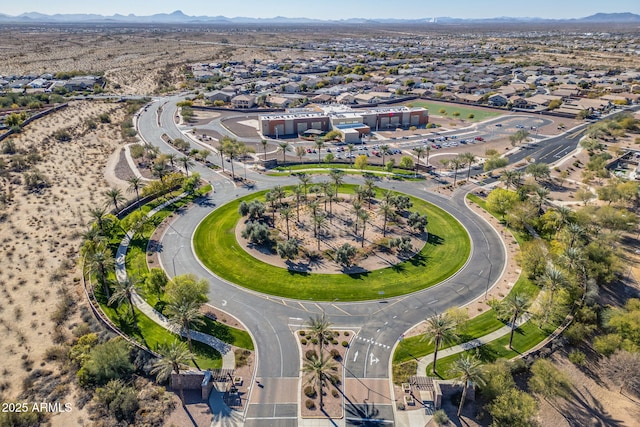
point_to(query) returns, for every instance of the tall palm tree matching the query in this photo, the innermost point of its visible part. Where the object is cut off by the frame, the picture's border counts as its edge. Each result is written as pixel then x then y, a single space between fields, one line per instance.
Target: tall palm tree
pixel 99 214
pixel 304 180
pixel 330 194
pixel 427 149
pixel 264 143
pixel 186 163
pixel 124 291
pixel 369 190
pixel 351 148
pixel 91 238
pixel 467 370
pixel 384 151
pixel 553 279
pixel 160 170
pixel 337 176
pixel 456 162
pixel 115 197
pixel 364 217
pixel 470 159
pixel 171 157
pixel 387 212
pixel 509 177
pixel 320 370
pixel 320 329
pixel 319 144
pixel 300 152
pixel 357 208
pixel 286 213
pixel 515 306
pixel 135 185
pixel 419 152
pixel 440 330
pixel 297 192
pixel 175 356
pixel 541 196
pixel 318 222
pixel 101 261
pixel 184 313
pixel 284 147
pixel 575 233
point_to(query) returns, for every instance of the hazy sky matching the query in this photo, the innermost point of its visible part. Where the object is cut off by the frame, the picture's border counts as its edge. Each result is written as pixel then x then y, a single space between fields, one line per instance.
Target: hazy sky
pixel 332 9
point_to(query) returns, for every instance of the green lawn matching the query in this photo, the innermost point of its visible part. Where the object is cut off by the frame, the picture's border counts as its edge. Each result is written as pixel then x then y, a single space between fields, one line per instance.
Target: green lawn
pixel 445 253
pixel 344 166
pixel 150 334
pixel 525 338
pixel 435 108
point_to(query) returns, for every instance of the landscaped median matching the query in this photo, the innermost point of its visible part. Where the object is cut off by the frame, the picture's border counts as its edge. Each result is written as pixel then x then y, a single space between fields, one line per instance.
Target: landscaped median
pixel 324 168
pixel 446 251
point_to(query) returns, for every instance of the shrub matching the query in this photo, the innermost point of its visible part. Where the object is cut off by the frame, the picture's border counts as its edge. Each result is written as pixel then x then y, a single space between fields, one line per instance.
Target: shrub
pixel 310 404
pixel 440 418
pixel 345 344
pixel 310 392
pixel 577 357
pixel 346 333
pixel 607 344
pixel 303 341
pixel 335 354
pixel 314 341
pixel 310 354
pixel 302 333
pixel 335 393
pixel 104 118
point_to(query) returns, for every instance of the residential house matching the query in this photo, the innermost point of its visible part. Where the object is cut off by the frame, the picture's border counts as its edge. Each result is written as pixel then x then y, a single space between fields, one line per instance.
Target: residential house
pixel 243 101
pixel 498 100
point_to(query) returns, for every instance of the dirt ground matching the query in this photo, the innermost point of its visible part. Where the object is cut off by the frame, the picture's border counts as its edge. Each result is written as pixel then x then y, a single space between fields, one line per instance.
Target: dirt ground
pixel 334 234
pixel 41 237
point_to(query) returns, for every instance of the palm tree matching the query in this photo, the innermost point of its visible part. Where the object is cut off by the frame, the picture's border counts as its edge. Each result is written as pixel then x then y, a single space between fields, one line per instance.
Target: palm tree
pixel 387 212
pixel 319 144
pixel 320 329
pixel 357 208
pixel 515 306
pixel 297 191
pixel 419 152
pixel 300 152
pixel 351 148
pixel 286 213
pixel 364 217
pixel 456 162
pixel 470 159
pixel 264 143
pixel 124 291
pixel 320 370
pixel 440 330
pixel 553 278
pixel 541 196
pixel 284 147
pixel 135 185
pixel 330 195
pixel 160 170
pixel 100 261
pixel 427 149
pixel 467 369
pixel 304 180
pixel 186 163
pixel 184 313
pixel 100 215
pixel 175 355
pixel 369 190
pixel 115 196
pixel 384 150
pixel 172 157
pixel 318 222
pixel 91 238
pixel 575 233
pixel 337 176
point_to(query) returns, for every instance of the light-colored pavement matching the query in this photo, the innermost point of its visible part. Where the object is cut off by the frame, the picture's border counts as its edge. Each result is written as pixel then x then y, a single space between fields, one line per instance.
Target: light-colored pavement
pixel 228 357
pixel 423 362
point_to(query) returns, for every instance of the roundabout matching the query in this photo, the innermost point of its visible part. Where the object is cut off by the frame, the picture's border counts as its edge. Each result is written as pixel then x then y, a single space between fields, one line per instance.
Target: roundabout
pixel 444 250
pixel 378 323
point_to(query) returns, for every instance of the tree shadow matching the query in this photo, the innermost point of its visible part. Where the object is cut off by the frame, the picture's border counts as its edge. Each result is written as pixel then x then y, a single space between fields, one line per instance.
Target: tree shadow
pixel 154 246
pixel 361 275
pixel 204 202
pixel 434 239
pixel 418 260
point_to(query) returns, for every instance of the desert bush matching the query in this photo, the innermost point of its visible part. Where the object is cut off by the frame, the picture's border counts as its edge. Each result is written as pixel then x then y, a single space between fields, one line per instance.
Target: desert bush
pixel 310 404
pixel 577 358
pixel 310 392
pixel 311 354
pixel 303 341
pixel 335 353
pixel 345 343
pixel 137 151
pixel 62 135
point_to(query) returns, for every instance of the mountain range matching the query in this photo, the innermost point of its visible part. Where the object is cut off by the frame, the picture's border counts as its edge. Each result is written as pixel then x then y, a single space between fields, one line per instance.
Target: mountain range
pixel 178 17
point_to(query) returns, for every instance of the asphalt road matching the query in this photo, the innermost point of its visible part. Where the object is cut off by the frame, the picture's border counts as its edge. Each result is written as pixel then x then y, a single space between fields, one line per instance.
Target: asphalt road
pixel 378 324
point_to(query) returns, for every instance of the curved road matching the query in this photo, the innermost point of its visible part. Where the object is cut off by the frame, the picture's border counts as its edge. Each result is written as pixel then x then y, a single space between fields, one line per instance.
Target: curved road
pixel 271 320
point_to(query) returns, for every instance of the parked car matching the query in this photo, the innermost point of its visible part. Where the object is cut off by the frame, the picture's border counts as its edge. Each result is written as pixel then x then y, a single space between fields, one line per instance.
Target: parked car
pixel 479 138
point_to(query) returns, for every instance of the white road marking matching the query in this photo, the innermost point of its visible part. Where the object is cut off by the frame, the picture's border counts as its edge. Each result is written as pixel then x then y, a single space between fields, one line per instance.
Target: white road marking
pixel 355 356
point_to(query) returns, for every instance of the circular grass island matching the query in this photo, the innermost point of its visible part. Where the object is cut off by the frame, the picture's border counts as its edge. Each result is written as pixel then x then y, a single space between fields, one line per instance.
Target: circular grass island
pixel 434 254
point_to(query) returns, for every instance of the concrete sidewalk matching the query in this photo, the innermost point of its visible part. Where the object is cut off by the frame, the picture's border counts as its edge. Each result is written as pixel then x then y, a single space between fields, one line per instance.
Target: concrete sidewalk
pixel 228 357
pixel 423 362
